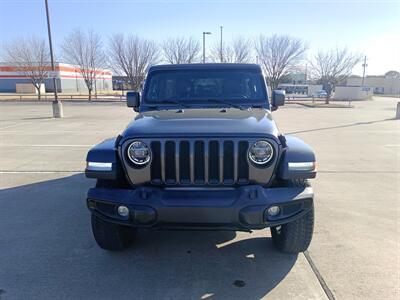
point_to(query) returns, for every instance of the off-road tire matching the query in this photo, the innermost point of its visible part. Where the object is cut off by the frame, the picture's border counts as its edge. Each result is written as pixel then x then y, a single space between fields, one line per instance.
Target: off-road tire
pixel 295 237
pixel 111 236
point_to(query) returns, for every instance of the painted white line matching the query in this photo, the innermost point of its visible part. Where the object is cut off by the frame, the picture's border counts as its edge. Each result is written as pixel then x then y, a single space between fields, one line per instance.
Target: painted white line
pixel 46 145
pixel 26 122
pixel 374 131
pixel 38 172
pixel 42 132
pixel 13 125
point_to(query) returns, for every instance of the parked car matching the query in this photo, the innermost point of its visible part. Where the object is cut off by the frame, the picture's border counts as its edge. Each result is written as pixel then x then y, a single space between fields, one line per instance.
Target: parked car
pixel 203 152
pixel 321 94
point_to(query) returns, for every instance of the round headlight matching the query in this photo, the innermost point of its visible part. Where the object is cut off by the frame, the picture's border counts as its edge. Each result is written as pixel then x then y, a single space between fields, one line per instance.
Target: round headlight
pixel 139 153
pixel 261 152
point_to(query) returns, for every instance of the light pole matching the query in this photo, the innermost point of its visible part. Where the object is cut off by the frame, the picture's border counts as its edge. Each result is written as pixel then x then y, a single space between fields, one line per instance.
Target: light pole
pixel 56 105
pixel 222 57
pixel 364 65
pixel 204 45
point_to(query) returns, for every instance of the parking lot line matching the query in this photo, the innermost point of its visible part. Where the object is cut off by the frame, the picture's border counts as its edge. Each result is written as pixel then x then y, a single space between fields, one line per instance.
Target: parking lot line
pixel 317 274
pixel 45 145
pixel 23 123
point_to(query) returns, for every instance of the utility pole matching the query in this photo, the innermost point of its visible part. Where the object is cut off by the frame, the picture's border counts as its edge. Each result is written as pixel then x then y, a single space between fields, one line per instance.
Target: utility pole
pixel 222 56
pixel 204 45
pixel 56 105
pixel 364 65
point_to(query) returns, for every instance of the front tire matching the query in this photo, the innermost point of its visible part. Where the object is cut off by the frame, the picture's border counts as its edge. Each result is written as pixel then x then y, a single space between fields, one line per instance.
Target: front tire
pixel 111 236
pixel 296 236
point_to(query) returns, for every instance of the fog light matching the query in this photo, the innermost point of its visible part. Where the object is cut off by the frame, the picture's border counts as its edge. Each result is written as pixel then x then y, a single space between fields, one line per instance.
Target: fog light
pixel 274 211
pixel 123 211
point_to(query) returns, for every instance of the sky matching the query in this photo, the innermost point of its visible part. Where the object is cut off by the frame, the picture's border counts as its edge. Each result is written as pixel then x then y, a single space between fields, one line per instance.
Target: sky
pixel 371 28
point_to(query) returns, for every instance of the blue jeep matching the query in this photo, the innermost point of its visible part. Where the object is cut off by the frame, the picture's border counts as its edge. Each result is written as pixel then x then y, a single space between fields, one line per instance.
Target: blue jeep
pixel 202 152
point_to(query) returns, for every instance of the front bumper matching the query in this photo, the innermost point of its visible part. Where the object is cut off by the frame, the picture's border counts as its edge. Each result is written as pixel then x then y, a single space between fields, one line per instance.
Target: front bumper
pixel 242 208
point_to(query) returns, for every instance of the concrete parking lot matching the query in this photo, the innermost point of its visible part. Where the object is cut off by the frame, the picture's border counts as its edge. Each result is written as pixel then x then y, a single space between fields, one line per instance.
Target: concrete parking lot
pixel 47 250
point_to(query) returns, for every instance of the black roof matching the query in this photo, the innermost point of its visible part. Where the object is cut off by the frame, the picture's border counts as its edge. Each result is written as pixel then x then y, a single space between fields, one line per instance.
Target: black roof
pixel 205 66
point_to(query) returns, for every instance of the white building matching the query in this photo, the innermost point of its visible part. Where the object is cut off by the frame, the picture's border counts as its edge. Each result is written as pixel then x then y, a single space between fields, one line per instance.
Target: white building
pixel 352 92
pixel 384 84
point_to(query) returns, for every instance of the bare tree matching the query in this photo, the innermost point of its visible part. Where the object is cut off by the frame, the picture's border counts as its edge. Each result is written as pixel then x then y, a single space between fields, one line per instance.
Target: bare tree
pixel 181 50
pixel 132 56
pixel 279 55
pixel 238 51
pixel 85 50
pixel 31 59
pixel 333 66
pixel 393 74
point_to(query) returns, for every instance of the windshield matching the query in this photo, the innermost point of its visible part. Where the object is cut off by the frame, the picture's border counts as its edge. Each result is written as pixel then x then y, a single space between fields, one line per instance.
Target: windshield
pixel 205 86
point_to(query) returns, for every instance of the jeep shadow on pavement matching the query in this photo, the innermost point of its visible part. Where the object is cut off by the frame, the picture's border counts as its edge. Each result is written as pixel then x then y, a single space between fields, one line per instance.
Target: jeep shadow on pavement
pixel 203 152
pixel 50 250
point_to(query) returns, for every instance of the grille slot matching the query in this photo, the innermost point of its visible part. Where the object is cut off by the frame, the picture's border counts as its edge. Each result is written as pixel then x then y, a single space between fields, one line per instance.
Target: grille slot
pixel 213 163
pixel 170 171
pixel 229 162
pixel 184 162
pixel 243 165
pixel 199 162
pixel 155 169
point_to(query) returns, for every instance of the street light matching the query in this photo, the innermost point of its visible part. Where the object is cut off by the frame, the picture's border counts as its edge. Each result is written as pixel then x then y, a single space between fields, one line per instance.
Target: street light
pixel 204 45
pixel 56 105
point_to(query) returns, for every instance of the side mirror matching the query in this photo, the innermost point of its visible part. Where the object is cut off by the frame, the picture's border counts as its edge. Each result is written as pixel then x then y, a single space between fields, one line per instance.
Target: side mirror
pixel 278 99
pixel 133 100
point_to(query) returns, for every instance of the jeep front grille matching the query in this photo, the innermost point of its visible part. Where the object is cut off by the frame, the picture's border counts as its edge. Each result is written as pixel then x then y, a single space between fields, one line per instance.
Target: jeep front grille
pixel 199 162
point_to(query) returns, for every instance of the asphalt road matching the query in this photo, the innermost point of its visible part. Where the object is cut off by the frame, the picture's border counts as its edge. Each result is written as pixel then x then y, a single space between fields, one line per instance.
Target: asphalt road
pixel 47 250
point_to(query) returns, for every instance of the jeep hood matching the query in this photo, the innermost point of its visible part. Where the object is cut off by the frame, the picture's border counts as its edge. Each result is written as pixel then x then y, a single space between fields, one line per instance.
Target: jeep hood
pixel 202 122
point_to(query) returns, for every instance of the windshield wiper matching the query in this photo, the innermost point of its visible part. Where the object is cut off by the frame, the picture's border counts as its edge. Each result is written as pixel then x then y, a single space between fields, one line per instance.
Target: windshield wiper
pixel 230 104
pixel 174 102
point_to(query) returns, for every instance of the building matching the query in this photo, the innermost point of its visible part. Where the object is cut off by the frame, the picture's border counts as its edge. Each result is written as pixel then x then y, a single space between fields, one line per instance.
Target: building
pixel 308 90
pixel 348 92
pixel 69 79
pixel 121 83
pixel 295 78
pixel 383 84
